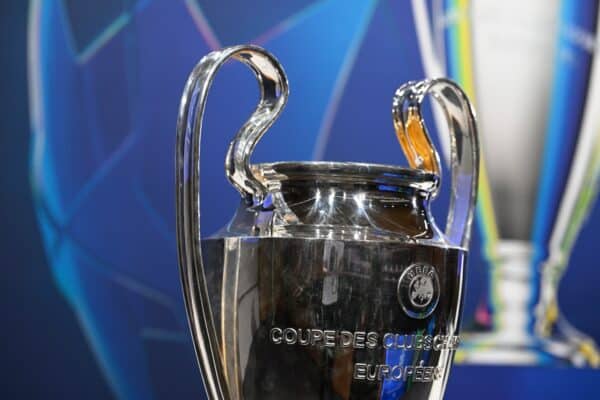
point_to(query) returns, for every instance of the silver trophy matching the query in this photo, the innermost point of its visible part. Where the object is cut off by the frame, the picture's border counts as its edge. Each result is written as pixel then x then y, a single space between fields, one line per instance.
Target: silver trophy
pixel 531 68
pixel 332 280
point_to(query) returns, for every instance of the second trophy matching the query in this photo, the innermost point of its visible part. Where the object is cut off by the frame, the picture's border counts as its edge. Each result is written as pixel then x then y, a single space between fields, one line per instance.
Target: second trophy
pixel 533 70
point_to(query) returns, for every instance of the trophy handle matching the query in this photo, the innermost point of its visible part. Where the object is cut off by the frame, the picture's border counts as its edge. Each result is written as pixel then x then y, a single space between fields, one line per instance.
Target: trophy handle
pixel 464 147
pixel 273 96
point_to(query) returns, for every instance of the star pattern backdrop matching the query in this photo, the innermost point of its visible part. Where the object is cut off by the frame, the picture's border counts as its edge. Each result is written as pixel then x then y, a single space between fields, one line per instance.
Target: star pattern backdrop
pixel 105 80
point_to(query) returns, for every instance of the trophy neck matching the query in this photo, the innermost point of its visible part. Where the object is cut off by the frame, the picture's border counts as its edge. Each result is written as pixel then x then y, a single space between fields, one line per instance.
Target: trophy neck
pixel 346 201
pixel 513 289
pixel 387 179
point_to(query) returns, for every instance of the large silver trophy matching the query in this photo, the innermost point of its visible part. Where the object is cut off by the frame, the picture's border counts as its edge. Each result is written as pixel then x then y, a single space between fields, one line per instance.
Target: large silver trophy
pixel 531 68
pixel 331 281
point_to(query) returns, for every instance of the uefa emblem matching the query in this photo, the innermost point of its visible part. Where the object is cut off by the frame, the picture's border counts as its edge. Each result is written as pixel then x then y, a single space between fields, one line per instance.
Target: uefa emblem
pixel 419 290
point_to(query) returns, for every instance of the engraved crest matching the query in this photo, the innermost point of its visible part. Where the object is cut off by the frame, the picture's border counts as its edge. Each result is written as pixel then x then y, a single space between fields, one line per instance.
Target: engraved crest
pixel 419 290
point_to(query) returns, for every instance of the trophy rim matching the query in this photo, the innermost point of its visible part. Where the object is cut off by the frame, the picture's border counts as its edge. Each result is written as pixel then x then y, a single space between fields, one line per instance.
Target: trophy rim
pixel 344 171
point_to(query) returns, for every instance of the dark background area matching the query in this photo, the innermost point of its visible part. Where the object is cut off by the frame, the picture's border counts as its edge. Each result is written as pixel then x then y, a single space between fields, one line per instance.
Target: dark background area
pixel 42 344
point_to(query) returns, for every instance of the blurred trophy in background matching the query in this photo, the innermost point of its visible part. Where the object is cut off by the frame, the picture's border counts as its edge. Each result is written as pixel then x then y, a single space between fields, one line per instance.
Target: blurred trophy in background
pixel 530 68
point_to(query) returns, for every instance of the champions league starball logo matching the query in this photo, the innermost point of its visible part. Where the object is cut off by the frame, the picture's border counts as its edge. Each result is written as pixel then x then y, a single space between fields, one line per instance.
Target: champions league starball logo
pixel 419 290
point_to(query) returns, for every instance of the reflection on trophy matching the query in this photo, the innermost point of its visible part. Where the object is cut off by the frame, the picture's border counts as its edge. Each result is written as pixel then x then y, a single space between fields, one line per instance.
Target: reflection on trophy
pixel 332 280
pixel 531 69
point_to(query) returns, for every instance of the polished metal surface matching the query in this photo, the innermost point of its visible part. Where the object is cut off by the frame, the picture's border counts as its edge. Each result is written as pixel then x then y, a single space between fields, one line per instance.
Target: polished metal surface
pixel 274 93
pixel 321 319
pixel 331 281
pixel 464 145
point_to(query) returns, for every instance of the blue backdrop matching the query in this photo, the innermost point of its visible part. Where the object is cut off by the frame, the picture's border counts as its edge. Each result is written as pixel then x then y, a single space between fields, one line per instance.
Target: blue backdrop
pixel 105 79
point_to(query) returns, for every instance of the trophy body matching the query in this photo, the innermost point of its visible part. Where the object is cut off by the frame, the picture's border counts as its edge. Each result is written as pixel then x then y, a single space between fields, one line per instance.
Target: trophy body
pixel 536 81
pixel 322 320
pixel 331 281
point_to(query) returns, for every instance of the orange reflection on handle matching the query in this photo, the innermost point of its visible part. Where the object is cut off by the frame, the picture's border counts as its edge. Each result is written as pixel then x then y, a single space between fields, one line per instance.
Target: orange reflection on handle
pixel 416 144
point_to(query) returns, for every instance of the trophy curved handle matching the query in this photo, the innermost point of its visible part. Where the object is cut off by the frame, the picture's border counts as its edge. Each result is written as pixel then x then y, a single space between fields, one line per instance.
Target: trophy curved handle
pixel 273 96
pixel 464 146
pixel 274 92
